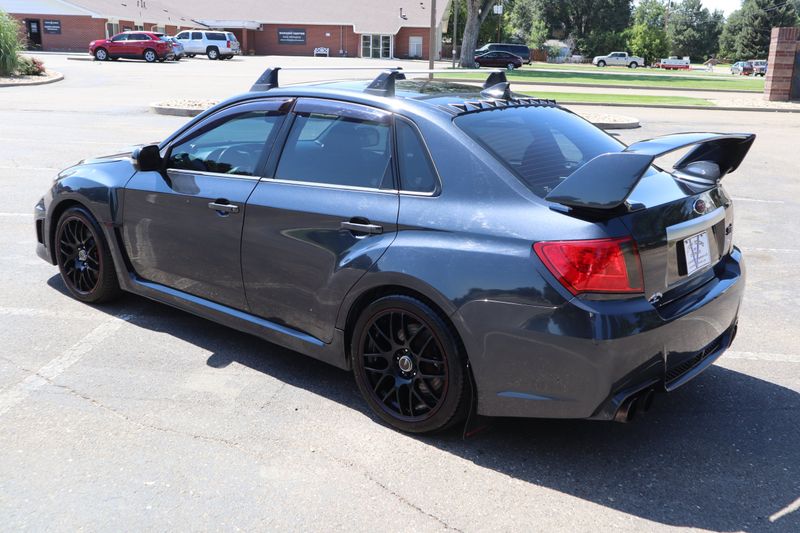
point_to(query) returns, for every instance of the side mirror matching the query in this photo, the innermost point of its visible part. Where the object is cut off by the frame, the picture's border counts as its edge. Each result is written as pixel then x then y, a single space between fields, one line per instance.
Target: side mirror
pixel 147 158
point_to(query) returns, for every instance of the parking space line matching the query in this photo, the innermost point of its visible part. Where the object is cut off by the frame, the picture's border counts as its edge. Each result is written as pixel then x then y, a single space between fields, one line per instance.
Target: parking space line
pixel 745 199
pixel 16 214
pixel 19 392
pixel 792 507
pixel 779 250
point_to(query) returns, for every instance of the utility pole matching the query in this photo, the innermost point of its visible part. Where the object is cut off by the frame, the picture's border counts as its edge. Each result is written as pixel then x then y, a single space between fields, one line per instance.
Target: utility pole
pixel 432 39
pixel 498 9
pixel 455 30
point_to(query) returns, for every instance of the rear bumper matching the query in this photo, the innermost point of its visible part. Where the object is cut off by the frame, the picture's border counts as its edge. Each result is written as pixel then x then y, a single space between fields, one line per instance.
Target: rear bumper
pixel 584 358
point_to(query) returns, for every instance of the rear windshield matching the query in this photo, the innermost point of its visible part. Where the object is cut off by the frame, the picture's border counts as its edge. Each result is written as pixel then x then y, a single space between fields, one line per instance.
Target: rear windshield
pixel 541 145
pixel 231 37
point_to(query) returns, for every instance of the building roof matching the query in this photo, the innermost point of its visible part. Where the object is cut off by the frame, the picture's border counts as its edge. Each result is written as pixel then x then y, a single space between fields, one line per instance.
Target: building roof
pixel 41 7
pixel 365 16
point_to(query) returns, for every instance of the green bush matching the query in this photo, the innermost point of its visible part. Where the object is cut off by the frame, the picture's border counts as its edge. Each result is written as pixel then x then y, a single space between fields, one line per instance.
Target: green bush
pixel 30 66
pixel 9 45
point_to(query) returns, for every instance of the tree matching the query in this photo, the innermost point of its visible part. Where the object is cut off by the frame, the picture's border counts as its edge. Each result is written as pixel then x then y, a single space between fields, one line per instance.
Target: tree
pixel 730 35
pixel 649 42
pixel 651 13
pixel 693 31
pixel 595 25
pixel 477 11
pixel 9 44
pixel 758 19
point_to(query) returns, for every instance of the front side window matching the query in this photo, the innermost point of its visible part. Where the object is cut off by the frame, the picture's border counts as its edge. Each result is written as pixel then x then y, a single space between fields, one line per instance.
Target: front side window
pixel 183 36
pixel 337 150
pixel 541 145
pixel 234 146
pixel 119 38
pixel 417 173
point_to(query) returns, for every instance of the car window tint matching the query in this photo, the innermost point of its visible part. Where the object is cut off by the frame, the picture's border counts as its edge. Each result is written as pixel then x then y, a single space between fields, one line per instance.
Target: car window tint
pixel 541 145
pixel 213 36
pixel 182 36
pixel 233 147
pixel 336 150
pixel 416 169
pixel 118 38
pixel 197 36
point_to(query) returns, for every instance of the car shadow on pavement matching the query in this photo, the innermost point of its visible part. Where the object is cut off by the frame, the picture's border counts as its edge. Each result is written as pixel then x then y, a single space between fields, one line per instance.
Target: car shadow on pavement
pixel 722 453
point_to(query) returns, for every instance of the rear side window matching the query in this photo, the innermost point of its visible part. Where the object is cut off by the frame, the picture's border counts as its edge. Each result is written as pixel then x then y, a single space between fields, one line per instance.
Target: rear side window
pixel 233 146
pixel 197 36
pixel 541 145
pixel 417 173
pixel 213 36
pixel 337 150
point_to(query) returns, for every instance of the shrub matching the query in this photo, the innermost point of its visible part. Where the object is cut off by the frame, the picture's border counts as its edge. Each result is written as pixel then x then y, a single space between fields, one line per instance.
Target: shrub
pixel 9 44
pixel 30 66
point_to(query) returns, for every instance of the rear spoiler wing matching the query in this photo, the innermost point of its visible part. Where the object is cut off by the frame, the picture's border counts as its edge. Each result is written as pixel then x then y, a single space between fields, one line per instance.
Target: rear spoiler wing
pixel 605 182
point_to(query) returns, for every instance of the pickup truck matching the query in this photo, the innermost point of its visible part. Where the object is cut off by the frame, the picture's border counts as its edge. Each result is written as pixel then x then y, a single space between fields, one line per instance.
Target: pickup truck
pixel 618 59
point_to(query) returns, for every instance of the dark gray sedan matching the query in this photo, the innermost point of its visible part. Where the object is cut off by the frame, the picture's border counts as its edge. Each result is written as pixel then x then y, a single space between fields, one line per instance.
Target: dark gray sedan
pixel 458 248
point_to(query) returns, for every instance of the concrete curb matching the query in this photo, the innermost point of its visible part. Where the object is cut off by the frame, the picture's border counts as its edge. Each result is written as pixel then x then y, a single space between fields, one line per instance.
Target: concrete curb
pixel 81 58
pixel 175 111
pixel 57 76
pixel 628 125
pixel 695 107
pixel 607 86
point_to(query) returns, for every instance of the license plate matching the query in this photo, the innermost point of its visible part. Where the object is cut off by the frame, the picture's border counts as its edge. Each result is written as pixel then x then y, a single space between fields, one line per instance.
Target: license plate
pixel 697 253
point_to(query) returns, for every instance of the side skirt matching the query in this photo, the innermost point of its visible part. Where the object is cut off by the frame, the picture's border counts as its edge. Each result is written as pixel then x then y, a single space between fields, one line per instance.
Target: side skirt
pixel 332 353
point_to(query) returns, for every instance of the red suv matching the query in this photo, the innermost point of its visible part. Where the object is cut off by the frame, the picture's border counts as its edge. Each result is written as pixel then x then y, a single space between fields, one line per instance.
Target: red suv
pixel 133 45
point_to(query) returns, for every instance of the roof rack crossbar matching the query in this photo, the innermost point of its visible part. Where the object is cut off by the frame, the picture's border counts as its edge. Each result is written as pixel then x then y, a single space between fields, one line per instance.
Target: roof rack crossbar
pixel 269 78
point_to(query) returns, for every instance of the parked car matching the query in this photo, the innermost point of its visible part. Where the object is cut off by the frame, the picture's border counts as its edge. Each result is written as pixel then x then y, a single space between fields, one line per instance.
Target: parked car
pixel 145 45
pixel 742 68
pixel 519 50
pixel 213 44
pixel 516 265
pixel 759 67
pixel 498 59
pixel 618 59
pixel 177 47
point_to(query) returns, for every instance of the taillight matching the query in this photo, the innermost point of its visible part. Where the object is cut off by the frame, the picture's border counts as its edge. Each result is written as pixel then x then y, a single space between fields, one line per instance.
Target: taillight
pixel 600 265
pixel 229 44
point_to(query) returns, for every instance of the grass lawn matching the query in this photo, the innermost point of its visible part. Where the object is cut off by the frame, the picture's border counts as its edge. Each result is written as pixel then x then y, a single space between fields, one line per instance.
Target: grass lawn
pixel 722 69
pixel 632 99
pixel 665 81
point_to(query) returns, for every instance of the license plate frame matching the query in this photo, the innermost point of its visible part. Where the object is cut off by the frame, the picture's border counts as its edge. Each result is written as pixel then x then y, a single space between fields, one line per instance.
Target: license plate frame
pixel 696 252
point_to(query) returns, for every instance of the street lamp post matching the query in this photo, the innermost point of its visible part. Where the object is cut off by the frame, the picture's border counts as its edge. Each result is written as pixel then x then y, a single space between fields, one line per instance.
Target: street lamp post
pixel 455 30
pixel 498 10
pixel 432 38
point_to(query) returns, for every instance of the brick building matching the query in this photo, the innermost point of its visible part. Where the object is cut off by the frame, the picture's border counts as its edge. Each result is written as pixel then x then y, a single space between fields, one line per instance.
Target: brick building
pixel 355 28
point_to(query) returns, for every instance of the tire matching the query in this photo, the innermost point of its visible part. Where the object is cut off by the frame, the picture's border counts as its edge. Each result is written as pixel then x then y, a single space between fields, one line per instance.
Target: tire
pixel 633 64
pixel 409 365
pixel 101 54
pixel 601 64
pixel 212 53
pixel 511 66
pixel 150 55
pixel 84 259
pixel 190 55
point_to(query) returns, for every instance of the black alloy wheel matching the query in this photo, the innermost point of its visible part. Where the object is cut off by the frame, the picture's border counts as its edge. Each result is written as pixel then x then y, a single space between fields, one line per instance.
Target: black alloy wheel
pixel 408 365
pixel 83 258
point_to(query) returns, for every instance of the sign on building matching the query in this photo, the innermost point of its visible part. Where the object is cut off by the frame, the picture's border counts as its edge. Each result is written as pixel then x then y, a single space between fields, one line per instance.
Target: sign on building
pixel 291 36
pixel 52 27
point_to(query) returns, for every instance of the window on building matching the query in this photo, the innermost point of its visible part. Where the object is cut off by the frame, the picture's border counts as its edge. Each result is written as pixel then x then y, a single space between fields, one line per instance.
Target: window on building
pixel 112 28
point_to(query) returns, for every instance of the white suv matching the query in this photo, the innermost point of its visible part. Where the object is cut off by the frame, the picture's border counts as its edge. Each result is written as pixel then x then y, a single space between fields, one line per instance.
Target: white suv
pixel 214 44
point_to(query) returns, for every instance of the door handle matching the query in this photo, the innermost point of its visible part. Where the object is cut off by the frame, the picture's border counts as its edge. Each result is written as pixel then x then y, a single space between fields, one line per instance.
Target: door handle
pixel 369 229
pixel 223 208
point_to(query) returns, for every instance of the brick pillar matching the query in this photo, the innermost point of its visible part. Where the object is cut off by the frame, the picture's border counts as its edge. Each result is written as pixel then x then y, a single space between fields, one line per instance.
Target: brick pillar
pixel 783 47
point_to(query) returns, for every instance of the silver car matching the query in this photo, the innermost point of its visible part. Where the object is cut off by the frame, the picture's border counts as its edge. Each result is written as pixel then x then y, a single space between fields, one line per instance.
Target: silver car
pixel 177 47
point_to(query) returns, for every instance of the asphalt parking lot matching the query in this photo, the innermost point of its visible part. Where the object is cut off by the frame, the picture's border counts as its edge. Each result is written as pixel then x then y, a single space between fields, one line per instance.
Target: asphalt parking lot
pixel 136 416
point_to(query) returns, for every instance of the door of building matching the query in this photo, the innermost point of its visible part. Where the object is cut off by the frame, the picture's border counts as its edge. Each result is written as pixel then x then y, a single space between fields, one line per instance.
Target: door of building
pixel 377 46
pixel 33 29
pixel 415 46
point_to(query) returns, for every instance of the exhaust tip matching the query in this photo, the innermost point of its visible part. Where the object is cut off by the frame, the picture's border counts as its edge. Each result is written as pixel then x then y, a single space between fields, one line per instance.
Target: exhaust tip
pixel 627 411
pixel 647 400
